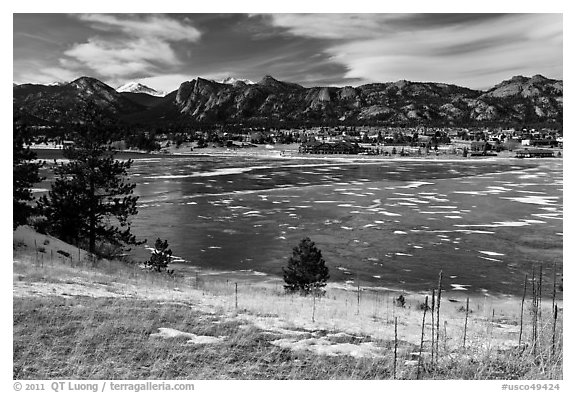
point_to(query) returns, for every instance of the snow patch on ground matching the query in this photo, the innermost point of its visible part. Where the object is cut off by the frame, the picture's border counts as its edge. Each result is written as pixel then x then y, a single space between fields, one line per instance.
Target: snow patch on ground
pixel 322 346
pixel 65 290
pixel 192 338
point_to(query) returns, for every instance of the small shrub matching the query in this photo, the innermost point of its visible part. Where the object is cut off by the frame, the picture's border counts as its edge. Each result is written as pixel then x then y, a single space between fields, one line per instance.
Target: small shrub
pixel 400 301
pixel 463 309
pixel 109 251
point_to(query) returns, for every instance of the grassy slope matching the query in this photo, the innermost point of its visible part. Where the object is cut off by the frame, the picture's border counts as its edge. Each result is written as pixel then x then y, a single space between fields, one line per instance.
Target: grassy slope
pixel 77 320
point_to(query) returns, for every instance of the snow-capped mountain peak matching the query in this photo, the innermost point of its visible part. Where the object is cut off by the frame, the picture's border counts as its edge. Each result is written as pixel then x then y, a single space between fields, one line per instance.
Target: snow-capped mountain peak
pixel 231 81
pixel 136 87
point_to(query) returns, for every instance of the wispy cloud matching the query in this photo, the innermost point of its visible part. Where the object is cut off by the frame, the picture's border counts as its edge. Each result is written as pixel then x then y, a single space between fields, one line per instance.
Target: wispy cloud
pixel 138 45
pixel 48 75
pixel 152 26
pixel 472 52
pixel 115 58
pixel 335 26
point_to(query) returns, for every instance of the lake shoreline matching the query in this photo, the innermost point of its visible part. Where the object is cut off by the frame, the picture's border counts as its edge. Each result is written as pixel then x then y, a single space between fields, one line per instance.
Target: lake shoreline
pixel 291 153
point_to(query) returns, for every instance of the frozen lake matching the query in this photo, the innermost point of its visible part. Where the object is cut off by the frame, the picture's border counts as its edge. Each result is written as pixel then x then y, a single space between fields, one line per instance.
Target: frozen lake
pixel 394 224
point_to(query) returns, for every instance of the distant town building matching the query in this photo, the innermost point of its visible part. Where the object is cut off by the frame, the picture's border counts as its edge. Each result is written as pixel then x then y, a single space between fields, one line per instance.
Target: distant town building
pixel 534 153
pixel 340 147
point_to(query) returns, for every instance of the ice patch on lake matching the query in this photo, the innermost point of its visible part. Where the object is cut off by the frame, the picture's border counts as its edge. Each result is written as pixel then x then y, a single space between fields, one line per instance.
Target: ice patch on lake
pixel 434 199
pixel 528 176
pixel 531 192
pixel 377 202
pixel 534 221
pixel 216 172
pixel 534 199
pixel 499 188
pixel 472 231
pixel 386 213
pixel 491 253
pixel 490 259
pixel 550 216
pixel 413 200
pixel 497 224
pixel 470 192
pixel 416 184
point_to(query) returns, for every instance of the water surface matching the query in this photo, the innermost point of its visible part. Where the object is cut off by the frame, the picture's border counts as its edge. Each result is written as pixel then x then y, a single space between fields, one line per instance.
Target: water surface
pixel 392 224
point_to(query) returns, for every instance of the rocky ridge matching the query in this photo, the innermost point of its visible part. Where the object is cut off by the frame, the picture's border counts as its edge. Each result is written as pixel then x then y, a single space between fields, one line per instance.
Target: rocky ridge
pixel 519 99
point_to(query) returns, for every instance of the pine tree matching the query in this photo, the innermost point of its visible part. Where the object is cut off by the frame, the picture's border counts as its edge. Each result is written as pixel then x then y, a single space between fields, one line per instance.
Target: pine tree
pixel 91 199
pixel 306 271
pixel 160 258
pixel 25 175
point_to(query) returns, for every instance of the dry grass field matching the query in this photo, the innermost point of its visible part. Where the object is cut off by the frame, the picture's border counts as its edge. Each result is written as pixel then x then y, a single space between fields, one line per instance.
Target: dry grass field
pixel 76 318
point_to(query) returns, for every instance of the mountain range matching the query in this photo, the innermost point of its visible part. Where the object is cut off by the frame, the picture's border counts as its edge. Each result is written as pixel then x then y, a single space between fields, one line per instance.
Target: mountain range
pixel 517 100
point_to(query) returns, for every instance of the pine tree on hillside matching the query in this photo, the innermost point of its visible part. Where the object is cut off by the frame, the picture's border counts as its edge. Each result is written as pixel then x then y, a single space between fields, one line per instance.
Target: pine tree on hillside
pixel 25 175
pixel 306 271
pixel 160 258
pixel 91 199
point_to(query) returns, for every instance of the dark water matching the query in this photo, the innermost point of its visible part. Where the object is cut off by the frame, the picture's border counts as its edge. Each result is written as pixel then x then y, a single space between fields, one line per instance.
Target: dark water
pixel 394 224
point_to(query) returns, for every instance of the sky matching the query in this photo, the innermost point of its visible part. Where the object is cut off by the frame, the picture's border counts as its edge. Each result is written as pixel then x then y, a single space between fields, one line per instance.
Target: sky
pixel 163 50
